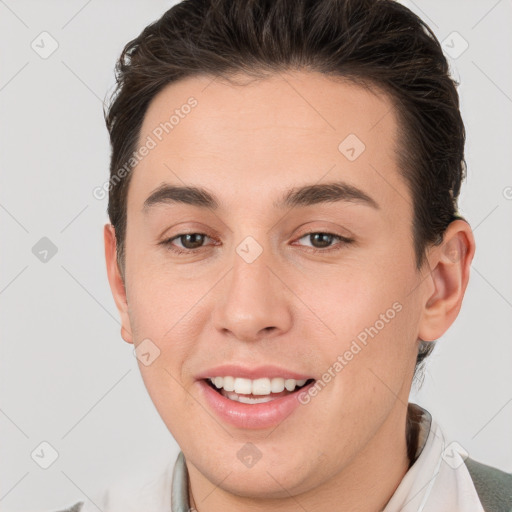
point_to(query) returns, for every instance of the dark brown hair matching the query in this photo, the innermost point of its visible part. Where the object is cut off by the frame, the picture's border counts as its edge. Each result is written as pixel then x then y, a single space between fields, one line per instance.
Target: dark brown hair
pixel 379 44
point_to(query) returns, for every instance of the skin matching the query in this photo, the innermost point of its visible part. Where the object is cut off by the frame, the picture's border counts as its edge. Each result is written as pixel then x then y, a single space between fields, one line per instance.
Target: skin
pixel 247 144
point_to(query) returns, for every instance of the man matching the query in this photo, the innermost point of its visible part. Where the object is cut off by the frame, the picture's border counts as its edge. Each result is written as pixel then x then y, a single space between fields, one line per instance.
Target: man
pixel 284 250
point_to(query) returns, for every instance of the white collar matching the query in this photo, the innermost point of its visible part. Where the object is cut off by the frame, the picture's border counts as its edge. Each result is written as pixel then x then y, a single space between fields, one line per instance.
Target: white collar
pixel 438 481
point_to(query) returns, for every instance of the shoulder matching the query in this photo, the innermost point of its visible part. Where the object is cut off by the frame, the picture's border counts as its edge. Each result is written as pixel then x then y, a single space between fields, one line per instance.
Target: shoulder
pixel 77 507
pixel 493 486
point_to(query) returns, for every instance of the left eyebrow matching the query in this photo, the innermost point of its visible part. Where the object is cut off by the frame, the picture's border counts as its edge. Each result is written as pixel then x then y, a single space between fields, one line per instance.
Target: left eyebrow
pixel 296 197
pixel 325 193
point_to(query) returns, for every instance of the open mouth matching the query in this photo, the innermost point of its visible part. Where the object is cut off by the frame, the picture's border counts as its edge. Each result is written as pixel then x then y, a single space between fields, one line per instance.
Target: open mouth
pixel 258 391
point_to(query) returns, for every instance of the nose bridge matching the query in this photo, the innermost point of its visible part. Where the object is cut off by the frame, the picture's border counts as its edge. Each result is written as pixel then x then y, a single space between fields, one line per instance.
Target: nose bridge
pixel 253 301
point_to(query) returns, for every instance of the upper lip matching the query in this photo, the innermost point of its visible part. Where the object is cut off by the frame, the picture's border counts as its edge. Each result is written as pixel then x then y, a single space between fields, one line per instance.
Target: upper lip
pixel 255 372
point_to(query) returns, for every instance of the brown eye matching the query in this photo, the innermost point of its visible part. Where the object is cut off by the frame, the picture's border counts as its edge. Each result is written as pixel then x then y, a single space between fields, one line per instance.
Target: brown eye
pixel 191 240
pixel 185 242
pixel 323 242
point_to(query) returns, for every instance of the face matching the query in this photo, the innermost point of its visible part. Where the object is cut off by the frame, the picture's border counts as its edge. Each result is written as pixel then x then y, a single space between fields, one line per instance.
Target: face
pixel 292 262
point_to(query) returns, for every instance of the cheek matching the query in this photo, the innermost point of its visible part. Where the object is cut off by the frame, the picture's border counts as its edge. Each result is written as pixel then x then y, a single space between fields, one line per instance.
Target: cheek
pixel 350 304
pixel 377 362
pixel 161 303
pixel 371 337
pixel 175 405
pixel 161 337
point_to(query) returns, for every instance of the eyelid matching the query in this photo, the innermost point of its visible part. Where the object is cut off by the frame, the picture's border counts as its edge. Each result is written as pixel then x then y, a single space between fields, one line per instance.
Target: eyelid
pixel 327 231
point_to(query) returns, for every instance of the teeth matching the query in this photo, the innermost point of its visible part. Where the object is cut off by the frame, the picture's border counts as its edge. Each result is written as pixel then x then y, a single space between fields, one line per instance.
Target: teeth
pixel 260 387
pixel 277 385
pixel 289 384
pixel 242 386
pixel 246 399
pixel 229 383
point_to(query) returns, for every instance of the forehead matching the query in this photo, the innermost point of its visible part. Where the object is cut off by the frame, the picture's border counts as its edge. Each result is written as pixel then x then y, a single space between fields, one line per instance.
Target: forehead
pixel 254 139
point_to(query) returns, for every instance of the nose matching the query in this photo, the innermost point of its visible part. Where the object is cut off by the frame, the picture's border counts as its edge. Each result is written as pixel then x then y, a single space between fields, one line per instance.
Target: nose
pixel 253 302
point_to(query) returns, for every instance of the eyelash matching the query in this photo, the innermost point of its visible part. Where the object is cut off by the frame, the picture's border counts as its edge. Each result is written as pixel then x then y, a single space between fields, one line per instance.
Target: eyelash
pixel 344 241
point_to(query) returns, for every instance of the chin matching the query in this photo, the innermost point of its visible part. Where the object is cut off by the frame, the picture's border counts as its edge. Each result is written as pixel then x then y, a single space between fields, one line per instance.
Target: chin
pixel 272 476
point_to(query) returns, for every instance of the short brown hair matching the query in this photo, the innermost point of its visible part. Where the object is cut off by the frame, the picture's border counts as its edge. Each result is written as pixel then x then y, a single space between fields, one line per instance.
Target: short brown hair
pixel 376 43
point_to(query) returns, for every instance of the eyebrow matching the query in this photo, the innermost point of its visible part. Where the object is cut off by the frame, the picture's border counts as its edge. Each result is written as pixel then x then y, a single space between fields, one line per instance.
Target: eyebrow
pixel 296 197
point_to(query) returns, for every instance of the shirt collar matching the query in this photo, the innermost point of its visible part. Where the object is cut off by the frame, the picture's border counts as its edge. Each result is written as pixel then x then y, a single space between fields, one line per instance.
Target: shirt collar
pixel 179 489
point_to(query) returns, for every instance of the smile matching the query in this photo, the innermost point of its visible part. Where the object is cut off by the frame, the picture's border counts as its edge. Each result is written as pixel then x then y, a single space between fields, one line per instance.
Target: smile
pixel 258 403
pixel 255 391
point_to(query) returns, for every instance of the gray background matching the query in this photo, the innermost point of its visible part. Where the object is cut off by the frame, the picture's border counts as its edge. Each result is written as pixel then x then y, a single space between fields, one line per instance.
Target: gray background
pixel 67 377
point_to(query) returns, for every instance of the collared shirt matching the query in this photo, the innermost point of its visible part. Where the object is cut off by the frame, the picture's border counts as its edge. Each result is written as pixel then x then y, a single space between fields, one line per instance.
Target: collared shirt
pixel 437 481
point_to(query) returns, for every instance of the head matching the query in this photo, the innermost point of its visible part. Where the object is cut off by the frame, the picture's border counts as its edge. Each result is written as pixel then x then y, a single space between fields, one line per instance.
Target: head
pixel 313 152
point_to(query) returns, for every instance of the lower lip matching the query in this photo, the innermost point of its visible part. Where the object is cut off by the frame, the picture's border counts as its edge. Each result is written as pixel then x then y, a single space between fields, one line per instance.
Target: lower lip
pixel 251 416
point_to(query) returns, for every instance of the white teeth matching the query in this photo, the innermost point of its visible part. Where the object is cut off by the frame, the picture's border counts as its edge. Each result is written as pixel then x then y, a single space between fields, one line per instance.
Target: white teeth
pixel 289 384
pixel 229 384
pixel 277 385
pixel 246 399
pixel 242 386
pixel 261 387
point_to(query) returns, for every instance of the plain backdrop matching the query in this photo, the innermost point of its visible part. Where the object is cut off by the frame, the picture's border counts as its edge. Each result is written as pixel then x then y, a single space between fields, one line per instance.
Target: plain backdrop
pixel 66 376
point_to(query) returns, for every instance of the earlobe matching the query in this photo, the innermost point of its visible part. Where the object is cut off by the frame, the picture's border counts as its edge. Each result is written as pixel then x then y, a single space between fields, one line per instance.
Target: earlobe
pixel 450 266
pixel 117 286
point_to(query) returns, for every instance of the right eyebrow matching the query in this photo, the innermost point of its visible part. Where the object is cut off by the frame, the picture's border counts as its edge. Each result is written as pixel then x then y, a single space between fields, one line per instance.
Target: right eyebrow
pixel 168 194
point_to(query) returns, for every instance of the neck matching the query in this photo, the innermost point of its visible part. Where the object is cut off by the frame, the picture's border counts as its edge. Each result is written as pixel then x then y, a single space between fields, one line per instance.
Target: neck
pixel 365 484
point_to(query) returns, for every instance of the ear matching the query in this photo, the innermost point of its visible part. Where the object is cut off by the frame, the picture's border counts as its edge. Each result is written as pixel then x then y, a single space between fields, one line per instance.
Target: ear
pixel 116 281
pixel 449 275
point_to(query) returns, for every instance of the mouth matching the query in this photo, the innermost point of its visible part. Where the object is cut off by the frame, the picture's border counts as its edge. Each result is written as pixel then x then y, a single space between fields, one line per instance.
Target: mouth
pixel 256 397
pixel 255 391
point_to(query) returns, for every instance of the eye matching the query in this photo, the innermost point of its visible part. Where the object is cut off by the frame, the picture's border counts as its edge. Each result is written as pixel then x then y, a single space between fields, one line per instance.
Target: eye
pixel 322 241
pixel 190 242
